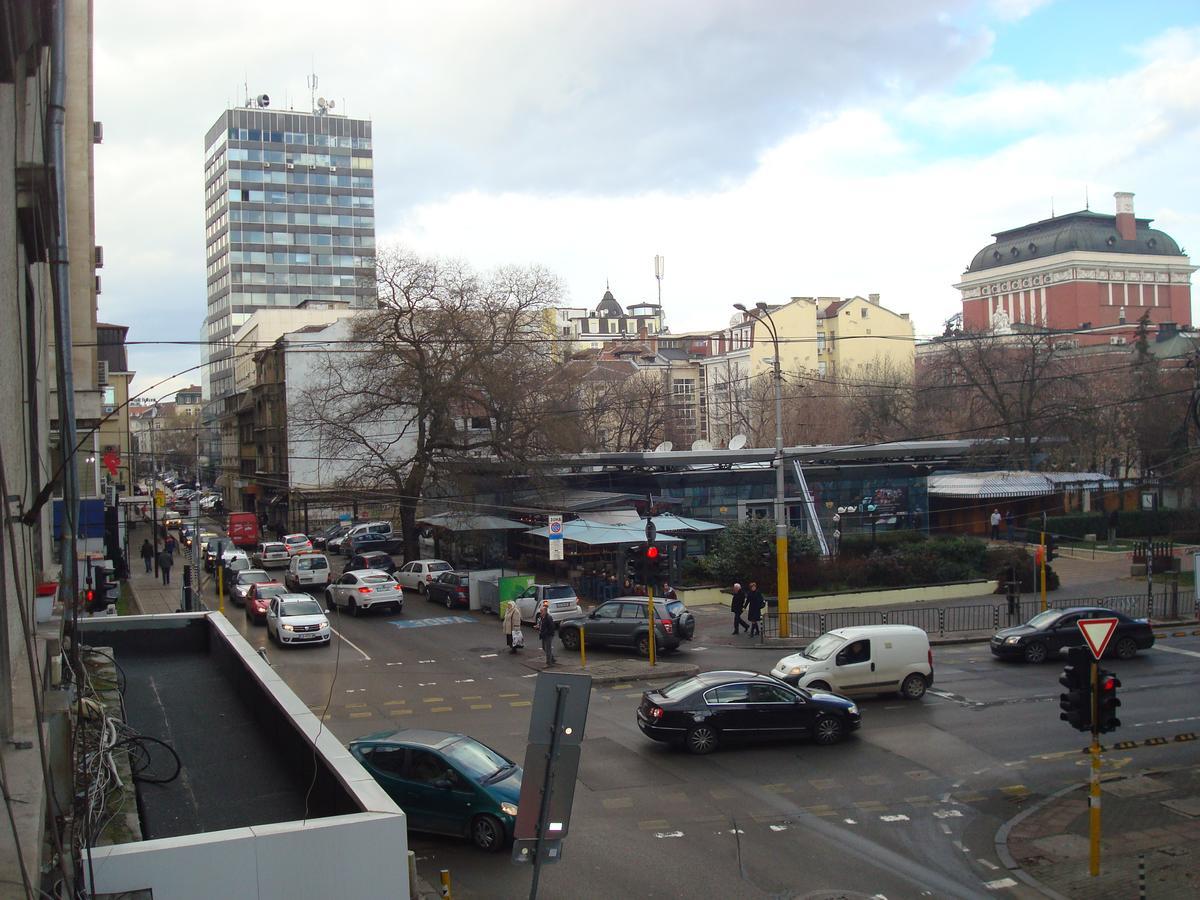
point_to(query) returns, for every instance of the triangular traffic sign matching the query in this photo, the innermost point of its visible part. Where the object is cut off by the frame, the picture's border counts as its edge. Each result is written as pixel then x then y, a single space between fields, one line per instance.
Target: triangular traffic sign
pixel 1097 633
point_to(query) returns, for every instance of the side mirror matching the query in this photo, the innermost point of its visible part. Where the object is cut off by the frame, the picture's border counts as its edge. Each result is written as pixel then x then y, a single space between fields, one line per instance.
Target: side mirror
pixel 444 783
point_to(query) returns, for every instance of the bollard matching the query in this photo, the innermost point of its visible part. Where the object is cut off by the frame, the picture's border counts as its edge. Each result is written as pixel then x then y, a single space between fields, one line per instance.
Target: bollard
pixel 412 875
pixel 446 884
pixel 1142 876
pixel 582 649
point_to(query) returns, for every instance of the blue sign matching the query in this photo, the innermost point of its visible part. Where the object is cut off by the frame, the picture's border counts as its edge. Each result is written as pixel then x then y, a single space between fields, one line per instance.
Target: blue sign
pixel 427 623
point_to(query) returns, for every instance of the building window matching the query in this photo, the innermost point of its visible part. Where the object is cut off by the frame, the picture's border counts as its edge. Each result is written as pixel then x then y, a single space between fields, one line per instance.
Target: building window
pixel 821 367
pixel 864 312
pixel 820 342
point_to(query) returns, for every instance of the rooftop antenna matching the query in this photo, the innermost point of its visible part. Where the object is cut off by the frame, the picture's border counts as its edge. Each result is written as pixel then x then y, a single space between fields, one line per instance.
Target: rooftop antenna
pixel 312 88
pixel 660 268
pixel 1052 206
pixel 1087 203
pixel 245 87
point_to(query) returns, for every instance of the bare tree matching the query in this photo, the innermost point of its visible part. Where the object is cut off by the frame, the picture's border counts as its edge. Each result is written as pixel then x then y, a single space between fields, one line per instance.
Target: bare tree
pixel 880 401
pixel 616 407
pixel 452 366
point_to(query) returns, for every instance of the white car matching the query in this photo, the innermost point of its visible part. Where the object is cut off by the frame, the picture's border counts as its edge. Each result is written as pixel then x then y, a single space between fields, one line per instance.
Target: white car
pixel 297 619
pixel 364 590
pixel 418 573
pixel 271 554
pixel 307 570
pixel 297 543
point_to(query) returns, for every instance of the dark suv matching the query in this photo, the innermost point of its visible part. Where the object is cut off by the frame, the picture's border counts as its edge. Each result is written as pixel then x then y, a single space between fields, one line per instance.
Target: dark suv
pixel 621 622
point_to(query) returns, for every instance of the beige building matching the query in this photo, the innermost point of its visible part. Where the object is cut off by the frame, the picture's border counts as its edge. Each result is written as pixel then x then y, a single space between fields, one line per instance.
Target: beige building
pixel 579 328
pixel 857 335
pixel 116 435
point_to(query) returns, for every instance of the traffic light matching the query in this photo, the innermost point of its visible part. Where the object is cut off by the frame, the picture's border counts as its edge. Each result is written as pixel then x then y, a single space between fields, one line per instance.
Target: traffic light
pixel 1107 702
pixel 1051 548
pixel 658 566
pixel 1076 703
pixel 634 559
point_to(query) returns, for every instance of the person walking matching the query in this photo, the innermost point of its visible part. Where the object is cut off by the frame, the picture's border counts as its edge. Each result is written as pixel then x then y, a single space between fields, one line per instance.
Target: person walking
pixel 738 604
pixel 165 561
pixel 546 627
pixel 995 524
pixel 147 555
pixel 512 627
pixel 755 603
pixel 170 545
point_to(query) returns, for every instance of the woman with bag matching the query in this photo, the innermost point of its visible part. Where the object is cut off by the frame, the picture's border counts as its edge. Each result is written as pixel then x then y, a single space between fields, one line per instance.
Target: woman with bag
pixel 512 627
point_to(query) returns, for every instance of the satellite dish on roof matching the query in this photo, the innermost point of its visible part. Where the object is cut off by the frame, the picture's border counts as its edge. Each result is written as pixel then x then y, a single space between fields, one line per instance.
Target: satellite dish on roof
pixel 701 445
pixel 737 442
pixel 322 102
pixel 664 447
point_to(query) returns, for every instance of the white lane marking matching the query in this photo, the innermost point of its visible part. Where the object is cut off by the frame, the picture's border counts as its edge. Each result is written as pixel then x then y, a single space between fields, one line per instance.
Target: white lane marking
pixel 1178 650
pixel 395 664
pixel 699 649
pixel 530 675
pixel 945 828
pixel 426 660
pixel 947 813
pixel 849 821
pixel 490 655
pixel 779 828
pixel 896 818
pixel 426 683
pixel 464 681
pixel 668 834
pixel 351 643
pixel 999 883
pixel 988 865
pixel 959 845
pixel 1167 721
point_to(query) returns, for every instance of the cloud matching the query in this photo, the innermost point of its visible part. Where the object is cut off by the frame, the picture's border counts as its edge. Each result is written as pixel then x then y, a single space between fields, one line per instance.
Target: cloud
pixel 1014 10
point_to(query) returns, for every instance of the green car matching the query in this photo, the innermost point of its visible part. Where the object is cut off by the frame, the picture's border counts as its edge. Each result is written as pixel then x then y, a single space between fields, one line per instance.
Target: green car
pixel 445 783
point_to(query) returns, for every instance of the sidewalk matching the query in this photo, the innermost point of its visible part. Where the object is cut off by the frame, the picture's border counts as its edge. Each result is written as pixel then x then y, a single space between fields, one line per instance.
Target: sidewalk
pixel 150 595
pixel 1151 819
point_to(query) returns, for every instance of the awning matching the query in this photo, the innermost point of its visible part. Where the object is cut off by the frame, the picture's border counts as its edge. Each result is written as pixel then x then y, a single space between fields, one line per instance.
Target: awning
pixel 596 534
pixel 991 485
pixel 669 522
pixel 471 522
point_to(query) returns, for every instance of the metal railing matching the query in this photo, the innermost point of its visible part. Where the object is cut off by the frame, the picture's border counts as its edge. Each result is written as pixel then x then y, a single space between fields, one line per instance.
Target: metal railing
pixel 943 620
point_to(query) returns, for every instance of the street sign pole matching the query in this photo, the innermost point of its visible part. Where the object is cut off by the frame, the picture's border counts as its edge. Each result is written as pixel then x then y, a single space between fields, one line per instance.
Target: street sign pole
pixel 1094 786
pixel 560 694
pixel 651 535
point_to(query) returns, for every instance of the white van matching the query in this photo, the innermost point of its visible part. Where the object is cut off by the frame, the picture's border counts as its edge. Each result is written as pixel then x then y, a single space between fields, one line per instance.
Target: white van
pixel 307 570
pixel 865 659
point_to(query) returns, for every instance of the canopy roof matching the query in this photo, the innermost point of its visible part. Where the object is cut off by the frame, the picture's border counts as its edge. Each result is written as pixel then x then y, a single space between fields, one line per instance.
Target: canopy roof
pixel 453 521
pixel 1000 485
pixel 601 533
pixel 669 522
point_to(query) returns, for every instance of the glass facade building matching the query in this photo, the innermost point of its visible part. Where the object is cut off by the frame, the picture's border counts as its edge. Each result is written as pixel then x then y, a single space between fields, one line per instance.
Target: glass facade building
pixel 289 213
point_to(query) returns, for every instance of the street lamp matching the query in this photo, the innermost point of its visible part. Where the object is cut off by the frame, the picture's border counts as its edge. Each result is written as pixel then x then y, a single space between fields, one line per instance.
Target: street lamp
pixel 762 314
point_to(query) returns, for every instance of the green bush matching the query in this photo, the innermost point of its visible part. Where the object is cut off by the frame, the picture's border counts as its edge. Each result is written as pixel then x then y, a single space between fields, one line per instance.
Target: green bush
pixel 1074 526
pixel 745 551
pixel 1001 559
pixel 860 544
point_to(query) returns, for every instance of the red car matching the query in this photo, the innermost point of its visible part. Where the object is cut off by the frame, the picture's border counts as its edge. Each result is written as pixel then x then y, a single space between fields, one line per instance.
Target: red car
pixel 258 598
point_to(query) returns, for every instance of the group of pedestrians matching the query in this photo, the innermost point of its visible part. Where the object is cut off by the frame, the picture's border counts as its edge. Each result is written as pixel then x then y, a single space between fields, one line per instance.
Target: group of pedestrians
pixel 166 557
pixel 750 601
pixel 543 624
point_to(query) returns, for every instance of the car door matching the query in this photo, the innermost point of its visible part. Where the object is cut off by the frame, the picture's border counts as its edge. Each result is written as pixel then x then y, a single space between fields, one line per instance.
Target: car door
pixel 729 705
pixel 601 627
pixel 631 621
pixel 777 712
pixel 342 589
pixel 1064 633
pixel 389 767
pixel 527 602
pixel 273 617
pixel 854 670
pixel 405 576
pixel 438 789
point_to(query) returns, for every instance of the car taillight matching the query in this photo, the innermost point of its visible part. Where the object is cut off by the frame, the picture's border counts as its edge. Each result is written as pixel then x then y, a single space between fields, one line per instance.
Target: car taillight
pixel 655 712
pixel 428 576
pixel 364 590
pixel 668 625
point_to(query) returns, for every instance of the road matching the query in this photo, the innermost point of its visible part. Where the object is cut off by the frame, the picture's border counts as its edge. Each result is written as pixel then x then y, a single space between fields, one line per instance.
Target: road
pixel 907 808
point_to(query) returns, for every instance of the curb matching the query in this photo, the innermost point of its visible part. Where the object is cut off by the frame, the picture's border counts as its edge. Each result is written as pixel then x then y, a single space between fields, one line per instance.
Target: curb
pixel 1001 842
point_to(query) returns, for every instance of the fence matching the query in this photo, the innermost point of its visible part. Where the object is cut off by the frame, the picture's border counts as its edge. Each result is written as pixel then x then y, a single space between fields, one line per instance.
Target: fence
pixel 943 620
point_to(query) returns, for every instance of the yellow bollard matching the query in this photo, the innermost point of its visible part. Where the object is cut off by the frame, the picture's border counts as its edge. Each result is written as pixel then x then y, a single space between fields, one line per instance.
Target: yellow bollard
pixel 446 884
pixel 582 650
pixel 220 590
pixel 650 616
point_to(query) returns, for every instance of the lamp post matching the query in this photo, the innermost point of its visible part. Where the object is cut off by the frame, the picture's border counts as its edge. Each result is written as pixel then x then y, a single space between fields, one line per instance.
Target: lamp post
pixel 762 314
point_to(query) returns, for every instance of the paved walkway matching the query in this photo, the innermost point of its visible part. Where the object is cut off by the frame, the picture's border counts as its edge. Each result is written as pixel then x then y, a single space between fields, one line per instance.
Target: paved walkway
pixel 150 595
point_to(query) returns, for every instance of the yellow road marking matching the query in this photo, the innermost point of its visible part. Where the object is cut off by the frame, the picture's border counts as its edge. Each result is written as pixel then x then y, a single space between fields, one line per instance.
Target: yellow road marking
pixel 520 703
pixel 823 784
pixel 361 715
pixel 473 697
pixel 622 687
pixel 653 824
pixel 400 712
pixel 396 703
pixel 722 794
pixel 617 802
pixel 481 706
pixel 820 810
pixel 510 695
pixel 433 700
pixel 441 708
pixel 356 706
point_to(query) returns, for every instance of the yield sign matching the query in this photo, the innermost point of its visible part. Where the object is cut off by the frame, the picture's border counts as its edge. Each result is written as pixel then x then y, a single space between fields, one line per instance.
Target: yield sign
pixel 1097 633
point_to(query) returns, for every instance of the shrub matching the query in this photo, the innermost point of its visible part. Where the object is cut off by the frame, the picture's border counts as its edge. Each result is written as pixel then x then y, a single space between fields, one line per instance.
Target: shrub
pixel 860 544
pixel 1001 559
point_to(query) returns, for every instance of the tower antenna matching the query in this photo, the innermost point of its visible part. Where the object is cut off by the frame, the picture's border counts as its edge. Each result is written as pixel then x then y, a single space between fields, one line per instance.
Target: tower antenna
pixel 312 87
pixel 1087 202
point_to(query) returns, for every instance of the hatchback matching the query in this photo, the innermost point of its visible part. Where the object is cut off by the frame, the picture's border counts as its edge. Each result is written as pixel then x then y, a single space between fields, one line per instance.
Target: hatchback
pixel 241 583
pixel 372 559
pixel 450 589
pixel 271 555
pixel 445 783
pixel 297 619
pixel 258 599
pixel 622 622
pixel 297 543
pixel 702 712
pixel 365 590
pixel 418 573
pixel 1046 634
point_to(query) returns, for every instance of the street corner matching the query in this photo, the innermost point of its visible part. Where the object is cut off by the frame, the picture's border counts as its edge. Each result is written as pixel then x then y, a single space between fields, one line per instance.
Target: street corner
pixel 615 671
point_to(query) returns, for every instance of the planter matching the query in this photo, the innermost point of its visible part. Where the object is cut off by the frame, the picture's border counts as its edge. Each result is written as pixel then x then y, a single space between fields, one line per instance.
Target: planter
pixel 43 604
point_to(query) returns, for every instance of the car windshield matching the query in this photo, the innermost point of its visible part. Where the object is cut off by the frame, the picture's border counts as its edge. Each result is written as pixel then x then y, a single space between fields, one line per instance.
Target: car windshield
pixel 681 688
pixel 300 608
pixel 823 647
pixel 1042 619
pixel 559 591
pixel 476 761
pixel 254 578
pixel 271 590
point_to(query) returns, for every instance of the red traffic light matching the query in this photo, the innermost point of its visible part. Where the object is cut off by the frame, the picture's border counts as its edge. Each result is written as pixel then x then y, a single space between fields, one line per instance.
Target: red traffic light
pixel 1108 683
pixel 89 595
pixel 651 553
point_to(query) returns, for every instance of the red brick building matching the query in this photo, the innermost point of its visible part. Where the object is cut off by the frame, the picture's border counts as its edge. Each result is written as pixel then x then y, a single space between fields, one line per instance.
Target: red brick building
pixel 1082 272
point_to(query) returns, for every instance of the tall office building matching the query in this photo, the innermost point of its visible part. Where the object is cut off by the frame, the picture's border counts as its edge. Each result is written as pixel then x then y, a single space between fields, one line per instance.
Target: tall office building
pixel 289 215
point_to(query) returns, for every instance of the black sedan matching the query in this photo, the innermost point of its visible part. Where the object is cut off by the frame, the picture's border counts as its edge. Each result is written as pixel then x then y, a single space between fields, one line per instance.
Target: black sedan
pixel 710 708
pixel 1047 633
pixel 451 589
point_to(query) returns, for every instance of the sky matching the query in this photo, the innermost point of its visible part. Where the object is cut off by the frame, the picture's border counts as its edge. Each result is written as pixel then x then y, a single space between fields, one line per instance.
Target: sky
pixel 767 149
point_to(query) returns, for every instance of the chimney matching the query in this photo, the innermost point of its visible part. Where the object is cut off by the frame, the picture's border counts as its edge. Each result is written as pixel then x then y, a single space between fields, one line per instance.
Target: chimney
pixel 1126 226
pixel 1166 331
pixel 873 298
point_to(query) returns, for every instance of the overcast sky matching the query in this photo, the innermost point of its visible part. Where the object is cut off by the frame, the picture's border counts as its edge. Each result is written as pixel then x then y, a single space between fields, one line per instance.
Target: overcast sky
pixel 766 149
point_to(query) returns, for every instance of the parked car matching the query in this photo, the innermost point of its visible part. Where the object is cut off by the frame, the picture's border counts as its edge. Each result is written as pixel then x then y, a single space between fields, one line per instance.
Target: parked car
pixel 450 589
pixel 418 573
pixel 297 619
pixel 271 555
pixel 622 622
pixel 306 571
pixel 364 590
pixel 337 544
pixel 866 659
pixel 241 583
pixel 335 530
pixel 445 783
pixel 368 540
pixel 242 528
pixel 712 708
pixel 297 543
pixel 258 599
pixel 563 602
pixel 1049 632
pixel 371 559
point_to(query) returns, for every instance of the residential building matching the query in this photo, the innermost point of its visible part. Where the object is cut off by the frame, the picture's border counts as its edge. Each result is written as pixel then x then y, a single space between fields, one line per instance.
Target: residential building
pixel 583 329
pixel 857 337
pixel 1084 271
pixel 114 376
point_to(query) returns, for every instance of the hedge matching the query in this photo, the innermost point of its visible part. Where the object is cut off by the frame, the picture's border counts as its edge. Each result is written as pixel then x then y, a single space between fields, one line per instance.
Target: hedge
pixel 1134 523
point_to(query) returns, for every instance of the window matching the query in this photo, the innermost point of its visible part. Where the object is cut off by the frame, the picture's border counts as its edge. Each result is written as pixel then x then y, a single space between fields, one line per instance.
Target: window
pixel 387 760
pixel 609 611
pixel 855 652
pixel 425 766
pixel 729 693
pixel 864 312
pixel 633 611
pixel 769 693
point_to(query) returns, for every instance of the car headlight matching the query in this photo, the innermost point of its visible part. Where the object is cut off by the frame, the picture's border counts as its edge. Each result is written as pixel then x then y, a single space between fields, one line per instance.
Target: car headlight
pixel 796 670
pixel 509 809
pixel 853 710
pixel 1013 640
pixel 289 627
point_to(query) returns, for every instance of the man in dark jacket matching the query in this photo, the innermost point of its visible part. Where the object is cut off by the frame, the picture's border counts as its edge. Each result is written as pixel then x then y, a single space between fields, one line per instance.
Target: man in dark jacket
pixel 545 628
pixel 754 605
pixel 738 604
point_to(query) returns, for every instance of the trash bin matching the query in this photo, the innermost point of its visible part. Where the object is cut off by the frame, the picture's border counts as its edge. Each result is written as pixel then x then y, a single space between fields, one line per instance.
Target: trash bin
pixel 43 604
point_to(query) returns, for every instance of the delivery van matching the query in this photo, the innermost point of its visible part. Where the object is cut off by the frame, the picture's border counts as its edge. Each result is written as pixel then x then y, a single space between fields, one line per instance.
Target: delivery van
pixel 865 659
pixel 242 528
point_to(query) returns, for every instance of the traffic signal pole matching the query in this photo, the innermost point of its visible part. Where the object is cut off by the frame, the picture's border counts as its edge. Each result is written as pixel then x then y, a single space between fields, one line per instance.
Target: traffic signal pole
pixel 1094 786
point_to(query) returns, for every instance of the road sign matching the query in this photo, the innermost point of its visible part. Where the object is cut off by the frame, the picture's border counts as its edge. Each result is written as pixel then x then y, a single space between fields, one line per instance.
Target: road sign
pixel 1097 633
pixel 556 537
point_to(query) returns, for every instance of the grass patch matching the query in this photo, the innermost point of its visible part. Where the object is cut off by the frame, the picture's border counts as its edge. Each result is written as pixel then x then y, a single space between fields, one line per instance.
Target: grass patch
pixel 125 600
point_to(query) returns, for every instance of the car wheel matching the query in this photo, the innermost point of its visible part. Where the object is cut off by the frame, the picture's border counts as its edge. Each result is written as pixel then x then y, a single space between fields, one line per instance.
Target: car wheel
pixel 818 686
pixel 330 606
pixel 828 730
pixel 487 833
pixel 1035 652
pixel 1126 648
pixel 449 605
pixel 913 687
pixel 570 638
pixel 643 645
pixel 420 587
pixel 701 739
pixel 353 608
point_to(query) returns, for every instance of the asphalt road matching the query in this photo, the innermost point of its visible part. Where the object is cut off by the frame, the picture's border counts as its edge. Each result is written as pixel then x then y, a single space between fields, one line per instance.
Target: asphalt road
pixel 909 807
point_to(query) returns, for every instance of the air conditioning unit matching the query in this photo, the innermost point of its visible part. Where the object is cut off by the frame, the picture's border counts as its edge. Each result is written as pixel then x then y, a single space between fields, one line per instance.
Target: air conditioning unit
pixel 99 257
pixel 97 284
pixel 1116 340
pixel 266 165
pixel 97 132
pixel 332 169
pixel 291 166
pixel 102 373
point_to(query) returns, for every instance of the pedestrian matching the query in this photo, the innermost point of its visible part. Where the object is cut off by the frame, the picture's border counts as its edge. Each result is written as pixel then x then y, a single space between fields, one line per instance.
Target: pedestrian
pixel 668 593
pixel 170 545
pixel 995 524
pixel 512 627
pixel 738 604
pixel 1009 522
pixel 546 627
pixel 165 561
pixel 755 603
pixel 147 555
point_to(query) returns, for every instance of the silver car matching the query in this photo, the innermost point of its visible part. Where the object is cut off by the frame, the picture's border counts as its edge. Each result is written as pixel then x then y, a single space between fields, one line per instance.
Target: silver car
pixel 364 590
pixel 297 619
pixel 245 578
